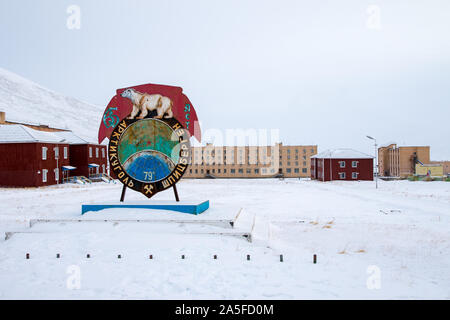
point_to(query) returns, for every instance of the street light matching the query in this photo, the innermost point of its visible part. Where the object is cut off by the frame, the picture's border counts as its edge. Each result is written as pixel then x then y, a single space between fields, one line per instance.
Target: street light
pixel 376 161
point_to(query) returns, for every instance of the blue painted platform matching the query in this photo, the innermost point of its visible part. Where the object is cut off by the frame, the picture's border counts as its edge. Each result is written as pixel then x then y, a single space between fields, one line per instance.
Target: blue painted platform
pixel 192 207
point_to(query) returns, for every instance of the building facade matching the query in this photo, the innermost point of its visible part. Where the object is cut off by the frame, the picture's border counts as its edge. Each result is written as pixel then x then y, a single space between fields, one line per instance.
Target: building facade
pixel 86 159
pixel 30 158
pixel 395 161
pixel 341 164
pixel 34 158
pixel 250 161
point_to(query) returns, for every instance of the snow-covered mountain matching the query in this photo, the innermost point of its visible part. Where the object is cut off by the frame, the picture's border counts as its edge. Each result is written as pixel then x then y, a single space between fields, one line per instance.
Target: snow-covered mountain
pixel 26 101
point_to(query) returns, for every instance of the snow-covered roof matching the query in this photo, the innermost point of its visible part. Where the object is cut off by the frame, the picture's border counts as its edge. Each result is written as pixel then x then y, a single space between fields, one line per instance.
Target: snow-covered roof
pixel 342 154
pixel 21 134
pixel 70 137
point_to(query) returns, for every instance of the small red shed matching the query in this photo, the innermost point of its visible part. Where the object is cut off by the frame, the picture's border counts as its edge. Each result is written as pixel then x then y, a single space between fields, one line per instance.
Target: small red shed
pixel 342 164
pixel 31 158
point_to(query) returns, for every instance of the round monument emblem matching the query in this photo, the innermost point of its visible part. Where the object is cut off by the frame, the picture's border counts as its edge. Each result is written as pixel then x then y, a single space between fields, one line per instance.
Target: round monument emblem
pixel 150 154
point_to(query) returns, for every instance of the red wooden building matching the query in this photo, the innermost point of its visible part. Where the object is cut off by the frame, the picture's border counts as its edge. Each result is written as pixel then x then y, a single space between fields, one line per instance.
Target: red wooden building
pixel 31 158
pixel 86 159
pixel 341 164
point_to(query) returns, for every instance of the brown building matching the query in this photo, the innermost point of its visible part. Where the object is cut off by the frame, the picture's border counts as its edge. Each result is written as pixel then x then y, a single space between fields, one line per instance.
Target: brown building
pixel 394 161
pixel 341 164
pixel 250 161
pixel 86 159
pixel 31 158
pixel 39 155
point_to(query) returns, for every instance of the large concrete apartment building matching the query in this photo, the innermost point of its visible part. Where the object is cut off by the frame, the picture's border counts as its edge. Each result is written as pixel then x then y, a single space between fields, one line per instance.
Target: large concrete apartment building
pixel 401 161
pixel 251 161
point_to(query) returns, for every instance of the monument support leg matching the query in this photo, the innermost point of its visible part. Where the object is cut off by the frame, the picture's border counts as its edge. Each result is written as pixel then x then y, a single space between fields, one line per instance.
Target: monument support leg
pixel 122 197
pixel 176 192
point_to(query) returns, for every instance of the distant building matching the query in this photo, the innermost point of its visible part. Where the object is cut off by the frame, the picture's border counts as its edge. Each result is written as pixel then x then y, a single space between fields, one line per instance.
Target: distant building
pixel 394 161
pixel 432 170
pixel 341 164
pixel 250 161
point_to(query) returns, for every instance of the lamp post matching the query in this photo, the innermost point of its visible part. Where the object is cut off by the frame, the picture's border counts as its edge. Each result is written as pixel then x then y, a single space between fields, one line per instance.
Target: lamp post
pixel 376 161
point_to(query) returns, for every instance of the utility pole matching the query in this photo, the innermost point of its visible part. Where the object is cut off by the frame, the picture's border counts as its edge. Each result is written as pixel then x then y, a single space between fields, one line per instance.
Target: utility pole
pixel 376 161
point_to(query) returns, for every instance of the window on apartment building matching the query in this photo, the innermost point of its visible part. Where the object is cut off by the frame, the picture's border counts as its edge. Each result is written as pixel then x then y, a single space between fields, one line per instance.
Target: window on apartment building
pixel 296 163
pixel 233 170
pixel 296 150
pixel 249 171
pixel 213 170
pixel 304 163
pixel 355 164
pixel 289 157
pixel 342 164
pixel 289 163
pixel 241 171
pixel 354 175
pixel 218 170
pixel 224 170
pixel 304 150
pixel 256 171
pixel 56 171
pixel 44 153
pixel 44 175
pixel 190 170
pixel 304 170
pixel 65 152
pixel 96 152
pixel 288 170
pixel 103 152
pixel 341 175
pixel 296 170
pixel 103 168
pixel 296 157
pixel 90 152
pixel 201 170
pixel 304 157
pixel 196 170
pixel 56 150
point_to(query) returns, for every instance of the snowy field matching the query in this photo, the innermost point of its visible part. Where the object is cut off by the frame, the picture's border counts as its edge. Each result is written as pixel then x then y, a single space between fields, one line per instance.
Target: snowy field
pixel 390 243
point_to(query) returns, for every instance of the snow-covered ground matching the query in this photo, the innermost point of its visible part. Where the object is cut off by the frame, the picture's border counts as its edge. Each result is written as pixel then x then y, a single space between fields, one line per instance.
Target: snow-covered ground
pixel 393 242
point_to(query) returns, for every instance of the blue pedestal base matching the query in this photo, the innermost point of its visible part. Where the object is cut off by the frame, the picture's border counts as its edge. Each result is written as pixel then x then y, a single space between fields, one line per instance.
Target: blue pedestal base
pixel 191 207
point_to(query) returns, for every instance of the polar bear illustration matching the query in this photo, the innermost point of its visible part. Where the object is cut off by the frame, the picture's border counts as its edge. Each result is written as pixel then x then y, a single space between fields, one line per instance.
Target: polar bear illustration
pixel 143 103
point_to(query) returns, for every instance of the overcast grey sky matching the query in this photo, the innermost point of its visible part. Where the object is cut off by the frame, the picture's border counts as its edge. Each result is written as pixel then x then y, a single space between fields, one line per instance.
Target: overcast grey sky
pixel 320 71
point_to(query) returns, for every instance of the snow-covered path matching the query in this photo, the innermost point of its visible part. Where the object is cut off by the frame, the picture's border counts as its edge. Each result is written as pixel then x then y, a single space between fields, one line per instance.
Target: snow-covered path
pixel 402 229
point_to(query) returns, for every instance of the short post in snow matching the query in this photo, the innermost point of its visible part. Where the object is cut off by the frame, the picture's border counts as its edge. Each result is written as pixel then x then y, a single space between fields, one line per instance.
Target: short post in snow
pixel 315 258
